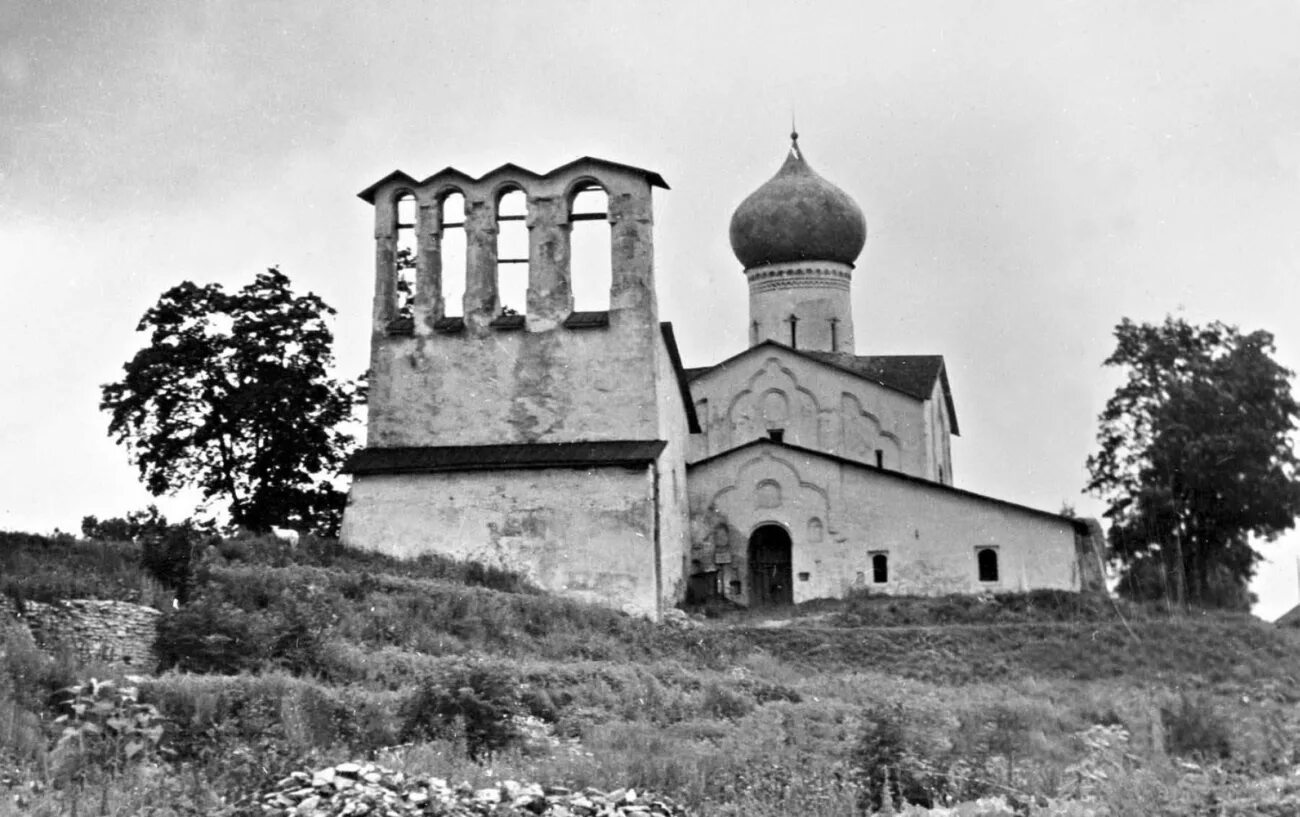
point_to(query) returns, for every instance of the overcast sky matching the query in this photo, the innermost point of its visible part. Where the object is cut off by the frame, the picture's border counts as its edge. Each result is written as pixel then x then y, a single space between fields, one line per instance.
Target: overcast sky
pixel 1030 172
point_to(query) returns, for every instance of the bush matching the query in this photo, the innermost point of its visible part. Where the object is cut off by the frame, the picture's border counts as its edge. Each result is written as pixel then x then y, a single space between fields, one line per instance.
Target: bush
pixel 48 569
pixel 105 728
pixel 209 637
pixel 1195 729
pixel 722 702
pixel 474 699
pixel 896 756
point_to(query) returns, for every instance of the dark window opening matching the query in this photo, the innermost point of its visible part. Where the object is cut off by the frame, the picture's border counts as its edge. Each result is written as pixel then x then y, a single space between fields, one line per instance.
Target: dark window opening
pixel 794 331
pixel 512 253
pixel 734 587
pixel 941 473
pixel 880 458
pixel 591 250
pixel 880 568
pixel 804 576
pixel 776 435
pixel 587 320
pixel 835 343
pixel 452 286
pixel 988 564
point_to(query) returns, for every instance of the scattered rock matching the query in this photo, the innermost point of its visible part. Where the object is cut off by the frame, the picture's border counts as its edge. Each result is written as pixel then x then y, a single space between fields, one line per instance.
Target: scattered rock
pixel 356 789
pixel 678 619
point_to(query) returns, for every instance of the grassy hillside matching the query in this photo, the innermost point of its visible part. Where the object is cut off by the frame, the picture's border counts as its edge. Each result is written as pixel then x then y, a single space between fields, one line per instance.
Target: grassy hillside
pixel 288 660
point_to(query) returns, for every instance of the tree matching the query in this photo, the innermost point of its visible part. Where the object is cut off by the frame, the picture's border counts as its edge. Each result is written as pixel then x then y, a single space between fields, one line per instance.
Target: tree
pixel 233 396
pixel 1195 459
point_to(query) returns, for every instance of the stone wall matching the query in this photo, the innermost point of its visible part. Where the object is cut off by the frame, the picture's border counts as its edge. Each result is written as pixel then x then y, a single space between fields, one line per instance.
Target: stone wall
pixel 115 632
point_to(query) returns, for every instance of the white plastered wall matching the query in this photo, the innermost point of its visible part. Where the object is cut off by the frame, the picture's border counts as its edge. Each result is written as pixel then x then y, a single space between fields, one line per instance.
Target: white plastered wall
pixel 818 407
pixel 840 514
pixel 583 533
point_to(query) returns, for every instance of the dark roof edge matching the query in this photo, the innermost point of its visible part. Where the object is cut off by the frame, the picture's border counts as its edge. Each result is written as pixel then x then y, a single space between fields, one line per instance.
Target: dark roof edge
pixel 652 178
pixel 670 340
pixel 1078 524
pixel 947 397
pixel 511 456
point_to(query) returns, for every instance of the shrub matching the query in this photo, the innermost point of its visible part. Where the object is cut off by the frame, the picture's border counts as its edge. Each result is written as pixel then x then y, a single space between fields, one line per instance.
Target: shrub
pixel 209 636
pixel 47 569
pixel 473 698
pixel 896 755
pixel 105 727
pixel 723 702
pixel 1194 728
pixel 168 553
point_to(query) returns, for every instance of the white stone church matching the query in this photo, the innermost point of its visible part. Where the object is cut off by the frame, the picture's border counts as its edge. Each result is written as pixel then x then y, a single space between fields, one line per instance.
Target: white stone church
pixel 574 447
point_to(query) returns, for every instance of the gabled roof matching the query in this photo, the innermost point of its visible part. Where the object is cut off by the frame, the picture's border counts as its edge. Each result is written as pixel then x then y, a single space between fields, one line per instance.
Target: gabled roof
pixel 1291 618
pixel 451 174
pixel 675 357
pixel 913 375
pixel 1079 525
pixel 910 374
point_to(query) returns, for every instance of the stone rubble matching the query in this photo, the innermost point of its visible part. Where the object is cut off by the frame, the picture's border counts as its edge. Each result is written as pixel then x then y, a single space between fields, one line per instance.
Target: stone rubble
pixel 370 790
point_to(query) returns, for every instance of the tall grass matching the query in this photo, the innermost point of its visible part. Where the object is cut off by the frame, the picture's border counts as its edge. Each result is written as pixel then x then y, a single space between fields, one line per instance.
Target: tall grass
pixel 295 659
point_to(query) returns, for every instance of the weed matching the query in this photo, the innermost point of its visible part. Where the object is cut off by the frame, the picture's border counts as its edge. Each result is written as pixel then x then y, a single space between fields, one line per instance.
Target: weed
pixel 1194 728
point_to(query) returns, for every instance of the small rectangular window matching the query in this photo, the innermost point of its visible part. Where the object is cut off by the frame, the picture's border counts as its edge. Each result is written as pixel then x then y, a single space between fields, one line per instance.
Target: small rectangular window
pixel 776 435
pixel 880 458
pixel 987 562
pixel 880 568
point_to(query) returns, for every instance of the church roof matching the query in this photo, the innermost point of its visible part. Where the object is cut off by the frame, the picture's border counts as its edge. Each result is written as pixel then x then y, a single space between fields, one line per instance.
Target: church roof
pixel 910 374
pixel 451 174
pixel 797 216
pixel 683 381
pixel 913 375
pixel 1079 525
pixel 1291 618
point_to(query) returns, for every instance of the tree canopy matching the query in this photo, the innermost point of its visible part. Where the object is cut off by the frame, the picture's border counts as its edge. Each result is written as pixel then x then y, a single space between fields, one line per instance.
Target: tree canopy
pixel 1195 458
pixel 234 396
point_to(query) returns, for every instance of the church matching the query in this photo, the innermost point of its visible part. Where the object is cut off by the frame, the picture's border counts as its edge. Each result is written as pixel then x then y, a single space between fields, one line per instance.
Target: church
pixel 574 447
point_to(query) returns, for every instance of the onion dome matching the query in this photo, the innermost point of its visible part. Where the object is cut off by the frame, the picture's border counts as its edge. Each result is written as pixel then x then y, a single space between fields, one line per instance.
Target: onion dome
pixel 797 216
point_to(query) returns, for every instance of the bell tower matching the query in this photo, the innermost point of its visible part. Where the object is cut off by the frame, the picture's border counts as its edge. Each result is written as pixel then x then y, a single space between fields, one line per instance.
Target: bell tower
pixel 797 237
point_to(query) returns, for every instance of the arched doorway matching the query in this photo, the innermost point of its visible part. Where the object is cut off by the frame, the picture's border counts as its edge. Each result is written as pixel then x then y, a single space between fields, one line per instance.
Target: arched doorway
pixel 770 578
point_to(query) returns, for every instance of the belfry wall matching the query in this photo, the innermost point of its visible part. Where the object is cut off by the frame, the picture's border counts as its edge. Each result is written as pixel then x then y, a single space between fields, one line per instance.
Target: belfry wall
pixel 543 440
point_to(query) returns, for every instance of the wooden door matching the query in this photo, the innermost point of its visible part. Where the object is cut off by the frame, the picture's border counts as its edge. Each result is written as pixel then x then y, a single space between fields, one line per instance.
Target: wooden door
pixel 771 580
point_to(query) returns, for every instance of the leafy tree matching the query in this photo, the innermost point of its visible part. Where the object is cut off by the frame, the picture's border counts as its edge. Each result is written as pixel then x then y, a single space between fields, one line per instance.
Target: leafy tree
pixel 233 396
pixel 1195 458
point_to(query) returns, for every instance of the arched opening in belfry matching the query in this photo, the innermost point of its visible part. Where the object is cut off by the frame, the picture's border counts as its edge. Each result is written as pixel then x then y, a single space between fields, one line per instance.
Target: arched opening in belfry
pixel 771 578
pixel 590 249
pixel 407 249
pixel 451 216
pixel 512 252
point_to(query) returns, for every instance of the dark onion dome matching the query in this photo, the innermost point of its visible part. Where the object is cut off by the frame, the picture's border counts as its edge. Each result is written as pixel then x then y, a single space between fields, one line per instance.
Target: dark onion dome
pixel 797 216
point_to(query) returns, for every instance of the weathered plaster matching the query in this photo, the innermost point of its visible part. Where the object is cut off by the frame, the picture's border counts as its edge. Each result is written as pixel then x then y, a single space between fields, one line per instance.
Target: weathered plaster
pixel 544 383
pixel 584 533
pixel 815 293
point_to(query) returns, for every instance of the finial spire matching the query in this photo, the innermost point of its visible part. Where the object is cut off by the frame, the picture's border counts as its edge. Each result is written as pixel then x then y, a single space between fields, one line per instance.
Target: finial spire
pixel 794 136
